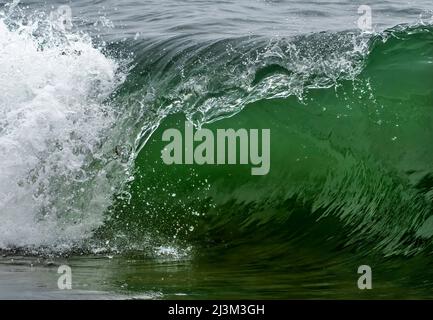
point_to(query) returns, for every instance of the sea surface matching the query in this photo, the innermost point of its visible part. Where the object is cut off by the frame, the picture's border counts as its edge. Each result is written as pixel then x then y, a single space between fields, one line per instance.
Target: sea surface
pixel 87 89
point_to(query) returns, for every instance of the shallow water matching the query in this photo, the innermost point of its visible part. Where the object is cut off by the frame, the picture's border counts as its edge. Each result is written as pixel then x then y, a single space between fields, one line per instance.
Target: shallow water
pixel 82 182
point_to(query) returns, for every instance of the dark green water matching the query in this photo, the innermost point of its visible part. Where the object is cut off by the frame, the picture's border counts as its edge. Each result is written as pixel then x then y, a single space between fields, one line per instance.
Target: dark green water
pixel 350 181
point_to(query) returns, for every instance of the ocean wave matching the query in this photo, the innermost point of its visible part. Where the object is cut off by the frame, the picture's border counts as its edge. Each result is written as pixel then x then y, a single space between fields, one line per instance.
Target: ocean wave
pixel 80 148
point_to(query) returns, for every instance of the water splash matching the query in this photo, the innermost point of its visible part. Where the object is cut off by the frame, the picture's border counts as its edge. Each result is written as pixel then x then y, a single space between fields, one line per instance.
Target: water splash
pixel 53 127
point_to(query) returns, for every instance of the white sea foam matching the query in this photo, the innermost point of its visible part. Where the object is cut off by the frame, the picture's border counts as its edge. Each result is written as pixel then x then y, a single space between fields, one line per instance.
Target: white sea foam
pixel 53 191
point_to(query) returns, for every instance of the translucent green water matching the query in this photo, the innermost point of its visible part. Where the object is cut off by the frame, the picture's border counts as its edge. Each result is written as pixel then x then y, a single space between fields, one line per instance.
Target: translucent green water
pixel 349 185
pixel 351 167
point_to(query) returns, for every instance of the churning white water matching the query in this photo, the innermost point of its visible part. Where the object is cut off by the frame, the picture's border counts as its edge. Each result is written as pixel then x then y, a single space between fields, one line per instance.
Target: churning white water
pixel 53 183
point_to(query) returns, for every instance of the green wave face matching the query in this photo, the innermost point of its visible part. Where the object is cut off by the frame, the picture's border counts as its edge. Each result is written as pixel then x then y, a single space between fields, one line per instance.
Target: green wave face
pixel 350 169
pixel 350 179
